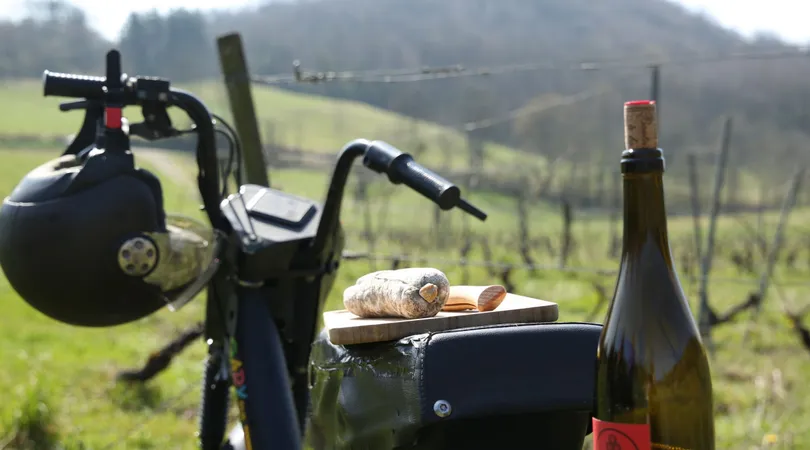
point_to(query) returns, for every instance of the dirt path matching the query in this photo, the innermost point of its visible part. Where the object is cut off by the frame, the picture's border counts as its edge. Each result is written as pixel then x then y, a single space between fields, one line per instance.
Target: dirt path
pixel 175 168
pixel 169 165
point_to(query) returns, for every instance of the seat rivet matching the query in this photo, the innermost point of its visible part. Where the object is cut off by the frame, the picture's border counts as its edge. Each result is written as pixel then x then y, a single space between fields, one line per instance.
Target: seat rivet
pixel 442 408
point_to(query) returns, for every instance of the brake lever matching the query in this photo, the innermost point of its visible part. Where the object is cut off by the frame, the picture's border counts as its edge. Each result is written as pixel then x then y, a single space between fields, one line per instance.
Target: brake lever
pixel 156 125
pixel 71 106
pixel 400 167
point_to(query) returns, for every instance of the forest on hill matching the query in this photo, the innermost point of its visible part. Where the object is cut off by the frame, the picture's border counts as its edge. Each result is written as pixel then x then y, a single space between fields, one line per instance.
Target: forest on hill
pixel 767 98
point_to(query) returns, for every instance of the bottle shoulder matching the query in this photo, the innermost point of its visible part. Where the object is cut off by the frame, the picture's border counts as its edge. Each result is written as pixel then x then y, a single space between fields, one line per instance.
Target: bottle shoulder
pixel 649 324
pixel 648 285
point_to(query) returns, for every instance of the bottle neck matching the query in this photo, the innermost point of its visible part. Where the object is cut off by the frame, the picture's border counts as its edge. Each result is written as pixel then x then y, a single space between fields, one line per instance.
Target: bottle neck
pixel 645 218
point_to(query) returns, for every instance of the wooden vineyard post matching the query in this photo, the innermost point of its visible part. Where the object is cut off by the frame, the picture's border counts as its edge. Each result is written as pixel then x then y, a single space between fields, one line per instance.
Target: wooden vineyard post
pixel 237 83
pixel 655 92
pixel 704 313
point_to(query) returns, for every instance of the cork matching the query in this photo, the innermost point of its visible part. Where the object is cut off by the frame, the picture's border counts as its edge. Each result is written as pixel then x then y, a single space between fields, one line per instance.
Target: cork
pixel 640 125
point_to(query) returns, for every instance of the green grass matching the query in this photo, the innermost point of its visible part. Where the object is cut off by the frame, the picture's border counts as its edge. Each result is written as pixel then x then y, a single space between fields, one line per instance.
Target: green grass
pixel 58 382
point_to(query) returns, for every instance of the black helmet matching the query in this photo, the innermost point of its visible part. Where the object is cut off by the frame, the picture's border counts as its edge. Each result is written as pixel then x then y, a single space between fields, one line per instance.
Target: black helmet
pixel 84 239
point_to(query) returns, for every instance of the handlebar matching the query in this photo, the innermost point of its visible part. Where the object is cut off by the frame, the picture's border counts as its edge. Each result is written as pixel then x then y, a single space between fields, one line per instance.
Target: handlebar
pixel 401 168
pixel 71 85
pixel 136 90
pixel 142 90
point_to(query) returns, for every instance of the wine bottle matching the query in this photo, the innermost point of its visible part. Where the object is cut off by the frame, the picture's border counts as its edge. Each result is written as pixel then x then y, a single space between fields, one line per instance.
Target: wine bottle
pixel 653 382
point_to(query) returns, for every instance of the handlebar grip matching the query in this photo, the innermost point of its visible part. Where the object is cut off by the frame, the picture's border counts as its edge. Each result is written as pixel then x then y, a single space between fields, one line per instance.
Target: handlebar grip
pixel 71 85
pixel 401 168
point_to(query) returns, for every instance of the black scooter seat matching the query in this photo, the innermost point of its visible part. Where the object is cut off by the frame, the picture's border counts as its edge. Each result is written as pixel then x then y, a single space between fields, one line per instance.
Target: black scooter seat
pixel 505 386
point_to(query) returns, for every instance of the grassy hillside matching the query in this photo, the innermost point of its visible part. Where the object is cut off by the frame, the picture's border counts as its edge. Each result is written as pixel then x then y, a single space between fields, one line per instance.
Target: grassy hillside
pixel 323 124
pixel 292 120
pixel 63 376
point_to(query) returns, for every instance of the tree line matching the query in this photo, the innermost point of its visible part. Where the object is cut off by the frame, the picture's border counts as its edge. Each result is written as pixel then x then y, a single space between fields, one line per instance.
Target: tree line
pixel 177 45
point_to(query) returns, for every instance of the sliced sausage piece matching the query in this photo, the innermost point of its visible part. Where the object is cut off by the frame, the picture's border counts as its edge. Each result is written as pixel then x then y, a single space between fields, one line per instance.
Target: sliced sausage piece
pixel 480 298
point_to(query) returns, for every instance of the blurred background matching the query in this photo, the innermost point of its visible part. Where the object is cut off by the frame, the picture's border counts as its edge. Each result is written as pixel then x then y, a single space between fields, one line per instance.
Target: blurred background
pixel 518 101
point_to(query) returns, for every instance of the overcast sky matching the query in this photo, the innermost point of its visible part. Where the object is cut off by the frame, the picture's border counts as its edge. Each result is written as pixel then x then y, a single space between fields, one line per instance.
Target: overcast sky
pixel 786 18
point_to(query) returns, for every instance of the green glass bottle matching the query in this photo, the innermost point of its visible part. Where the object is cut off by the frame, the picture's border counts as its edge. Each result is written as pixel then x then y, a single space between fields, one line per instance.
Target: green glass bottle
pixel 654 387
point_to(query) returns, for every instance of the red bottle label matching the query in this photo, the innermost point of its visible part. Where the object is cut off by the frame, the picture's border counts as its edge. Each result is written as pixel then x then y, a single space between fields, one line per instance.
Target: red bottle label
pixel 620 436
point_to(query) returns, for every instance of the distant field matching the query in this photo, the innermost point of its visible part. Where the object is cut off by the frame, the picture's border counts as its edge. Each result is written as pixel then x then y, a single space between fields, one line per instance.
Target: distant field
pixel 302 121
pixel 320 124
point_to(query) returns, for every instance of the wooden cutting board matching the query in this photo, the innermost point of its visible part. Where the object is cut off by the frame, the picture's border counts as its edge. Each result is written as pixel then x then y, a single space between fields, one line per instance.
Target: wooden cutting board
pixel 345 328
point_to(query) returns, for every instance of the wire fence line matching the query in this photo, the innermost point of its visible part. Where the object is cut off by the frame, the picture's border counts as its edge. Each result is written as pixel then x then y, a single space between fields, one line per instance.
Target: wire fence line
pixel 418 74
pixel 531 109
pixel 455 70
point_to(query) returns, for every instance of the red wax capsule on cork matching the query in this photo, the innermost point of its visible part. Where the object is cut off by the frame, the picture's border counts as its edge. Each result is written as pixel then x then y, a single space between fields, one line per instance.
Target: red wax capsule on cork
pixel 639 102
